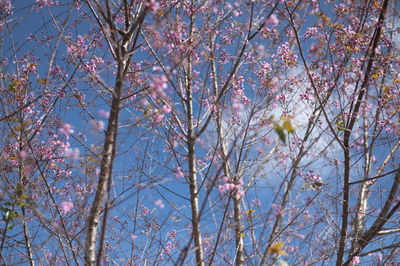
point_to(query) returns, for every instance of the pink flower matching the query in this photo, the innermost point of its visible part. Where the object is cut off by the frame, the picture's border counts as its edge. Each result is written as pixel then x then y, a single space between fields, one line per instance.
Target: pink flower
pixel 78 4
pixel 229 186
pixel 169 247
pixel 66 206
pixel 240 193
pixel 153 4
pixel 158 118
pixel 23 154
pixel 104 113
pixel 355 260
pixel 166 109
pixel 66 129
pixel 144 210
pixel 221 189
pixel 286 54
pixel 92 66
pixel 310 32
pixel 158 85
pixel 97 125
pixel 133 237
pixel 224 179
pixel 272 20
pixel 160 204
pixel 42 3
pixel 6 6
pixel 179 172
pixel 77 49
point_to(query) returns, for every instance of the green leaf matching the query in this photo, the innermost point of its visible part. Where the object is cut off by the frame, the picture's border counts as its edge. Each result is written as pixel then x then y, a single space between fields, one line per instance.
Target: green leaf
pixel 12 87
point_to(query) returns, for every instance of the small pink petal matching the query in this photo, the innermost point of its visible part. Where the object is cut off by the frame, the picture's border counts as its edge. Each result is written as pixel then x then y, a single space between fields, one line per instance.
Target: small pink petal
pixel 166 109
pixel 23 154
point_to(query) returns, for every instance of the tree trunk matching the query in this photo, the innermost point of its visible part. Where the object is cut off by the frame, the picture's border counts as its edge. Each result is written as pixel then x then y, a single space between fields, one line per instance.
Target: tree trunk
pixel 105 168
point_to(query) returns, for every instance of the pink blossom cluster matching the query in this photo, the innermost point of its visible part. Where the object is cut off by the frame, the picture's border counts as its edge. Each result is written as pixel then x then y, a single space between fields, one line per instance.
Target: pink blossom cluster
pixel 314 6
pixel 236 10
pixel 224 58
pixel 272 20
pixel 231 187
pixel 78 4
pixel 256 203
pixel 270 33
pixel 57 70
pixel 286 55
pixel 158 40
pixel 378 257
pixel 264 70
pixel 119 19
pixel 310 177
pixel 157 117
pixel 153 5
pixel 172 234
pixel 66 130
pixel 239 99
pixel 175 35
pixel 179 172
pixel 97 41
pixel 237 105
pixel 42 3
pixel 235 120
pixel 5 6
pixel 281 97
pixel 19 87
pixel 83 190
pixel 227 39
pixel 29 65
pixel 355 260
pixel 134 77
pixel 277 210
pixel 97 125
pixel 211 107
pixel 47 253
pixel 166 109
pixel 104 114
pixel 144 210
pixel 312 31
pixel 92 65
pixel 44 151
pixel 23 154
pixel 306 96
pixel 78 49
pixel 66 207
pixel 169 248
pixel 158 85
pixel 159 203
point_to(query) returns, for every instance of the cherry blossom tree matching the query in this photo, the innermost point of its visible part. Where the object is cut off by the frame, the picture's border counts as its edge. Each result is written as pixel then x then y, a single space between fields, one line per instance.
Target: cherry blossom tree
pixel 199 132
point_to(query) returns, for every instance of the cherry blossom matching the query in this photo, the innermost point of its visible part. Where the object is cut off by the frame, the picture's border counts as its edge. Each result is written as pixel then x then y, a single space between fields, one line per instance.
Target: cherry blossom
pixel 272 20
pixel 67 206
